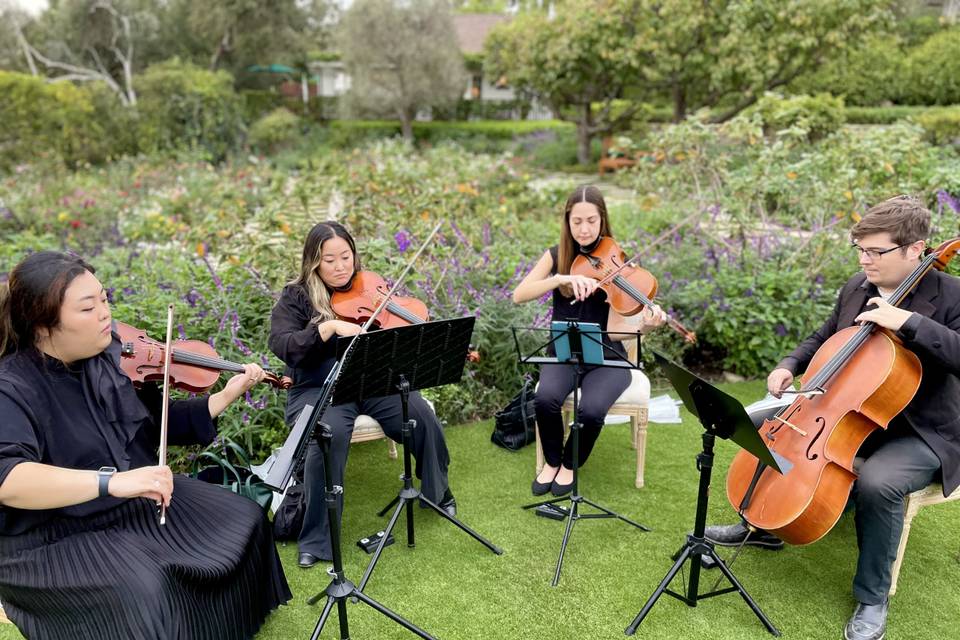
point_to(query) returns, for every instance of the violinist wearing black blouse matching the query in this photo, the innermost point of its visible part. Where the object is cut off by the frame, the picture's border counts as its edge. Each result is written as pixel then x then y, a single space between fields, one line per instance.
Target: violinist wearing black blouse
pixel 82 553
pixel 303 333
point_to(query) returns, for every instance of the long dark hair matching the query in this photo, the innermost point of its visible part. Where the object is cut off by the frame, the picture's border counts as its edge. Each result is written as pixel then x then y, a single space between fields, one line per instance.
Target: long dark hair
pixel 33 295
pixel 309 277
pixel 568 248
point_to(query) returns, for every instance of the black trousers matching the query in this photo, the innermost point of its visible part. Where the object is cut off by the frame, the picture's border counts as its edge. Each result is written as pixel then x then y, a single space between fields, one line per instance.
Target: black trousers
pixel 429 451
pixel 899 463
pixel 599 389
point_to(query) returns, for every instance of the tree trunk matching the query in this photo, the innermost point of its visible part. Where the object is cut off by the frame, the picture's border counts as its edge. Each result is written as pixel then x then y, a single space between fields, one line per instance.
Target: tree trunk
pixel 679 103
pixel 951 11
pixel 584 135
pixel 406 125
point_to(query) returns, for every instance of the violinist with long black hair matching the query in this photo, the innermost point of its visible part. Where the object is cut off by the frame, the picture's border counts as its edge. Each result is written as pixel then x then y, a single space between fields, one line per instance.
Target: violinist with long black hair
pixel 577 297
pixel 921 443
pixel 303 333
pixel 82 553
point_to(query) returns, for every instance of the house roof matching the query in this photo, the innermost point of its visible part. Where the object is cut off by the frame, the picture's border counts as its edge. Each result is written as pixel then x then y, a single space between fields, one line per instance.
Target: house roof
pixel 472 29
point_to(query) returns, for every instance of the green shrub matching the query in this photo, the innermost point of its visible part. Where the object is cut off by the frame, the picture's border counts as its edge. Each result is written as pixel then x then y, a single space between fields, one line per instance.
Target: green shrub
pixel 818 116
pixel 276 130
pixel 941 126
pixel 933 71
pixel 182 106
pixel 258 103
pixel 881 115
pixel 43 119
pixel 870 74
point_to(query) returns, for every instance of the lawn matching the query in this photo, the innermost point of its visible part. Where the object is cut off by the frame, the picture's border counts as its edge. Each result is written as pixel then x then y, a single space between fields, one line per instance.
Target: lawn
pixel 453 587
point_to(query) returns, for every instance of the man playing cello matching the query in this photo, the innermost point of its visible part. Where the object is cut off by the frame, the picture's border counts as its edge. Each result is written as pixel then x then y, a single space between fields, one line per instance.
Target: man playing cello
pixel 922 443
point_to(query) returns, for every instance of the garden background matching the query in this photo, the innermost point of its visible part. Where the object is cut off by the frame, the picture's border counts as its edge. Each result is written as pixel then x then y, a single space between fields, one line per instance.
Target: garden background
pixel 201 190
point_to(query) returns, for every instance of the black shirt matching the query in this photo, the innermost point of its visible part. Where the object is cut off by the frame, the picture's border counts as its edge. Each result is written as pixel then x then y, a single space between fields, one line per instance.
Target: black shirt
pixel 84 416
pixel 294 338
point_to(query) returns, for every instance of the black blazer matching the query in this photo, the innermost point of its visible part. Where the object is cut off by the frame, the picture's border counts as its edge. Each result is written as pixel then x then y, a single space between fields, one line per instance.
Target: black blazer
pixel 933 333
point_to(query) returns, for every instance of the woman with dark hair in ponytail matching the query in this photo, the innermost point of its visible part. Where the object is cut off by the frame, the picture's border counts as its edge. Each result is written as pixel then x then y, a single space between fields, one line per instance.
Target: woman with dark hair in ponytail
pixel 577 298
pixel 82 553
pixel 303 333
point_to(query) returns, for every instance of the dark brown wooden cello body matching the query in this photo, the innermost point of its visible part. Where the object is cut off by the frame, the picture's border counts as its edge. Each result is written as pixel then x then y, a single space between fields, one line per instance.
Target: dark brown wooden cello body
pixel 857 382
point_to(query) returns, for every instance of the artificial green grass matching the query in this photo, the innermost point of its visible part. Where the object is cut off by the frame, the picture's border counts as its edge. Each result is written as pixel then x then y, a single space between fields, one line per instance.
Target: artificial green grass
pixel 454 588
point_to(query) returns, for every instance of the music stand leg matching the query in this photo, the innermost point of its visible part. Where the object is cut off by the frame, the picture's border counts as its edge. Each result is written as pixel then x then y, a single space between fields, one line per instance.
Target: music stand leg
pixel 695 547
pixel 408 494
pixel 340 588
pixel 573 511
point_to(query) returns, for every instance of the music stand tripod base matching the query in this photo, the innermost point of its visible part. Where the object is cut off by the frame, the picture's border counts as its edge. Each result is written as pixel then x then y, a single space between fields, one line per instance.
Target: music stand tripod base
pixel 720 415
pixel 576 343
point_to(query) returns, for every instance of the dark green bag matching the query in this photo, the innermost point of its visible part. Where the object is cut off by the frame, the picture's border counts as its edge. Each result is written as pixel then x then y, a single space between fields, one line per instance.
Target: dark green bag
pixel 237 478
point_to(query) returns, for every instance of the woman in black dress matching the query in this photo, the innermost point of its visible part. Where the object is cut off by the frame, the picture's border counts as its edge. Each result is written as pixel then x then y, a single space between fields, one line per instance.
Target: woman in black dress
pixel 82 553
pixel 303 333
pixel 577 298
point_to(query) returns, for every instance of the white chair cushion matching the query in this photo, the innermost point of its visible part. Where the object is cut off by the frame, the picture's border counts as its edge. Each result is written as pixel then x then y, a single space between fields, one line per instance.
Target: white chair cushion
pixel 366 423
pixel 637 393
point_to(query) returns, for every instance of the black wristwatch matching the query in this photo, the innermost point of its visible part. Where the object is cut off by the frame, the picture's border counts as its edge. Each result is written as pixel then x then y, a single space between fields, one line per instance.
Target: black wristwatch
pixel 104 474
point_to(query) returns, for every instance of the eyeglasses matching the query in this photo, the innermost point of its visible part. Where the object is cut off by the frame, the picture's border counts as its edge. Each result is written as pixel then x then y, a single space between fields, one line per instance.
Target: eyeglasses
pixel 876 254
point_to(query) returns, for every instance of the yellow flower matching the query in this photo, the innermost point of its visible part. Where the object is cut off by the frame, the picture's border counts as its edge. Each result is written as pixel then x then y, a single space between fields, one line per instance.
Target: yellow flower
pixel 223 233
pixel 791 175
pixel 425 215
pixel 855 216
pixel 467 189
pixel 680 157
pixel 848 195
pixel 888 167
pixel 201 250
pixel 234 260
pixel 63 216
pixel 285 228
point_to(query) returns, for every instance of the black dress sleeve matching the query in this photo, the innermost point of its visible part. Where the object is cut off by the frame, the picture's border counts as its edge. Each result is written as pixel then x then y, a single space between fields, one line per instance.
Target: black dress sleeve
pixel 293 337
pixel 189 421
pixel 19 441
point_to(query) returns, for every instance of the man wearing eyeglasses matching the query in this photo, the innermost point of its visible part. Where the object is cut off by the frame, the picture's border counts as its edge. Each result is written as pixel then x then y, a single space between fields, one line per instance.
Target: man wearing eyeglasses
pixel 923 442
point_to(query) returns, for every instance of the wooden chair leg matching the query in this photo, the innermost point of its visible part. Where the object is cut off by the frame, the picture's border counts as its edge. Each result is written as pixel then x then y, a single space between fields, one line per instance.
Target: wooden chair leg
pixel 539 451
pixel 391 449
pixel 639 423
pixel 909 513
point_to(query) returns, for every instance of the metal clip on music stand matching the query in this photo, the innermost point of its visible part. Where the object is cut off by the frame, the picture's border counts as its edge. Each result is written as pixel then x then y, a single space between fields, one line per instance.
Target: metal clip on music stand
pixel 576 343
pixel 405 359
pixel 721 416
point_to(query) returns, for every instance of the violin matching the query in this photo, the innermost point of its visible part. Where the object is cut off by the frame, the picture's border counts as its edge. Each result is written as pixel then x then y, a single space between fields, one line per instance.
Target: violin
pixel 856 382
pixel 195 366
pixel 365 293
pixel 629 289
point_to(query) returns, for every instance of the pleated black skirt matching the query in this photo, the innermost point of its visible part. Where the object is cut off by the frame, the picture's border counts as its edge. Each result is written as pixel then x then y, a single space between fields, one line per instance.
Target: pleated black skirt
pixel 211 571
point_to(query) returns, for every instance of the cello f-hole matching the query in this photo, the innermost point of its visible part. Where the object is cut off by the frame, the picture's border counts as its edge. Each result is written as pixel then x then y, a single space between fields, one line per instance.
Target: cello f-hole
pixel 822 423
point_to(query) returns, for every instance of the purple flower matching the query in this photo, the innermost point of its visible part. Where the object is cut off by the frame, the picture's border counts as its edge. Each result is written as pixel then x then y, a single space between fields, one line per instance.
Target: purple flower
pixel 402 239
pixel 780 330
pixel 945 198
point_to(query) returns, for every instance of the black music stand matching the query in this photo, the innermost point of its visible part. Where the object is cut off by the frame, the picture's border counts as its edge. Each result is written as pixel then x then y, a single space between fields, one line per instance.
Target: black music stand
pixel 340 588
pixel 576 340
pixel 404 359
pixel 721 416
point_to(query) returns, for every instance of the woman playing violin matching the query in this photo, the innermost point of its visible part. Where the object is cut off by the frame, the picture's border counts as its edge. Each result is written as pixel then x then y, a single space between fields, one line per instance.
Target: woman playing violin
pixel 82 554
pixel 577 297
pixel 303 333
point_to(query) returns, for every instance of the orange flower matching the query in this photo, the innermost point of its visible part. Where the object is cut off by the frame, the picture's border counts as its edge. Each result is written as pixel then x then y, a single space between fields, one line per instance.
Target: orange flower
pixel 791 175
pixel 201 249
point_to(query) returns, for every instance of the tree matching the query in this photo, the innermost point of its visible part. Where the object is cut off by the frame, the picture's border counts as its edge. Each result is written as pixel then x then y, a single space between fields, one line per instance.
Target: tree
pixel 725 54
pixel 402 57
pixel 718 54
pixel 581 58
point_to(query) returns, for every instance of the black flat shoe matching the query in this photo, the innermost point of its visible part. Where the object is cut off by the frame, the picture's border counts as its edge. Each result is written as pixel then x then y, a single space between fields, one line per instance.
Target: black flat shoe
pixel 306 560
pixel 540 488
pixel 558 489
pixel 449 504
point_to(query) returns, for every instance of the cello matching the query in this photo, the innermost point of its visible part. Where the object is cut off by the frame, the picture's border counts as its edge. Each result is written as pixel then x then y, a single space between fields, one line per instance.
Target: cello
pixel 857 381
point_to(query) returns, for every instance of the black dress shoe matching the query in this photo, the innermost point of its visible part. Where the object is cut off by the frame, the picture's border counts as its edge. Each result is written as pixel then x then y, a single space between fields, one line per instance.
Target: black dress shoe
pixel 558 489
pixel 307 560
pixel 449 504
pixel 732 535
pixel 868 622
